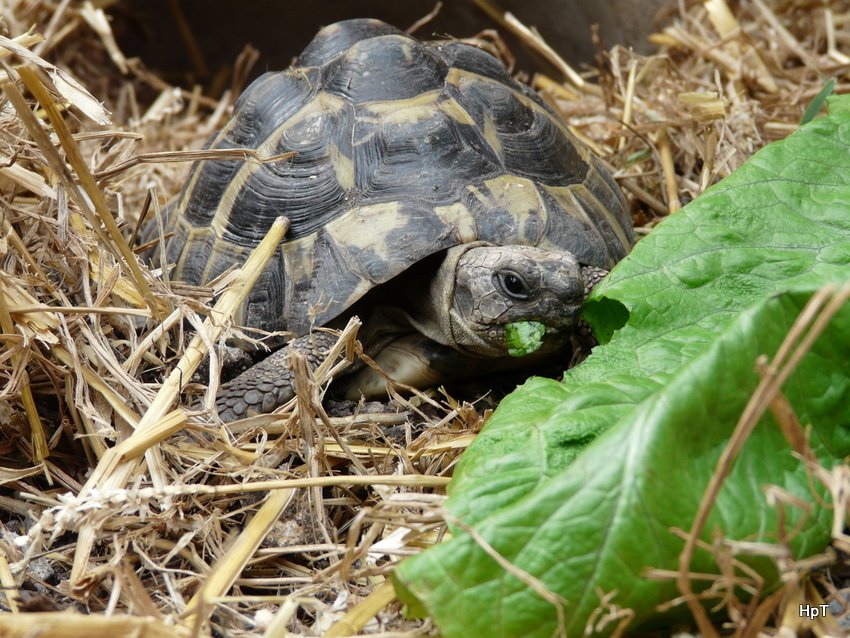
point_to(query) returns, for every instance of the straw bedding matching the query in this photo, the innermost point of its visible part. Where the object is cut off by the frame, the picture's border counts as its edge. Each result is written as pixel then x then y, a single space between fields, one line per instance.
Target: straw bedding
pixel 121 495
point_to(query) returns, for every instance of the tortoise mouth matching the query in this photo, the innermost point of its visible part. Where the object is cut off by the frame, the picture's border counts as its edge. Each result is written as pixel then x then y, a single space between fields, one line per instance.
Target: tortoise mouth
pixel 512 338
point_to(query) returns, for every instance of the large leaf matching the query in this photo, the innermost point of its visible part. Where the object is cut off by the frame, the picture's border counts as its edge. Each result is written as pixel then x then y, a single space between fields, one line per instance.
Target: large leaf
pixel 586 513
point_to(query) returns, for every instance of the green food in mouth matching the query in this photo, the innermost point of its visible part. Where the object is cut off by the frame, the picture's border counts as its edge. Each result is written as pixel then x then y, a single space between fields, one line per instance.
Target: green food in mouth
pixel 524 337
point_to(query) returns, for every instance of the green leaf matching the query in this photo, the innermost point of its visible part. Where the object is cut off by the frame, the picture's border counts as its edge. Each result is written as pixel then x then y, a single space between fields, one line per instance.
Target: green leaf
pixel 524 337
pixel 601 522
pixel 817 103
pixel 585 512
pixel 837 103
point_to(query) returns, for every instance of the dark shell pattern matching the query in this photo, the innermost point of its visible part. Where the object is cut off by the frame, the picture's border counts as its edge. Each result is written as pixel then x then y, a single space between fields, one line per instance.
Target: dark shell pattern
pixel 402 149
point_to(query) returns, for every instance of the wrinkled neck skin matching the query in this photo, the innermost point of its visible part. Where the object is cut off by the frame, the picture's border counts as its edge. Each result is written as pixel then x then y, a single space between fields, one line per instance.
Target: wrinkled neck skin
pixel 480 284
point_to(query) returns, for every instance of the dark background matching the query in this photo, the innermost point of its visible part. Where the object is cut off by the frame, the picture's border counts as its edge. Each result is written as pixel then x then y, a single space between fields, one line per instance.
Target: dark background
pixel 150 29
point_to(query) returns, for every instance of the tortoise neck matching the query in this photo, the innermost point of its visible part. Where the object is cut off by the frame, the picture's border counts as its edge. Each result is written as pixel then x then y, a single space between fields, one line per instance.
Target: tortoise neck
pixel 435 314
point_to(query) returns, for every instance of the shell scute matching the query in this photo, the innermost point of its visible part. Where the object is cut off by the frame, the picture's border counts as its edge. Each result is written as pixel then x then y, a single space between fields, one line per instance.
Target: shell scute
pixel 414 156
pixel 306 187
pixel 266 104
pixel 468 58
pixel 336 39
pixel 529 140
pixel 389 67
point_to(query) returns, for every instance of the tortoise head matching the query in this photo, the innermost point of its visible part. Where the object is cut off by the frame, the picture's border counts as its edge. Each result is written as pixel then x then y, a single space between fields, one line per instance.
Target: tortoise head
pixel 486 289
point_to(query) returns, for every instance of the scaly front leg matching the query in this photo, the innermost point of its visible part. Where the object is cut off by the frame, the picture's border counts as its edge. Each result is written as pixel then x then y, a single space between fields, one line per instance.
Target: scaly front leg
pixel 270 383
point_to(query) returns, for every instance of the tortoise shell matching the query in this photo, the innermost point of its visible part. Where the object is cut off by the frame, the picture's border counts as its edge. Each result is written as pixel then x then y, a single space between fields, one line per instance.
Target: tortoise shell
pixel 402 149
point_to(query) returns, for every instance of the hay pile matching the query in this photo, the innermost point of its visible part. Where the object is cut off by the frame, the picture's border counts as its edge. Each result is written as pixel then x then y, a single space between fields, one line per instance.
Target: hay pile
pixel 121 494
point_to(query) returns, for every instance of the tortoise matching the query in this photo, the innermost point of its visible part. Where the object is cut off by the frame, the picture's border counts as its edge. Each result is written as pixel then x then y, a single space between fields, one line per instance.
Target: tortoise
pixel 429 193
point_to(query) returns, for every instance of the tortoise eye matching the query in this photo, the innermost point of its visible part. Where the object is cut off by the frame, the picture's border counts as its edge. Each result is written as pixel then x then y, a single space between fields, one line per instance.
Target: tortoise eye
pixel 513 285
